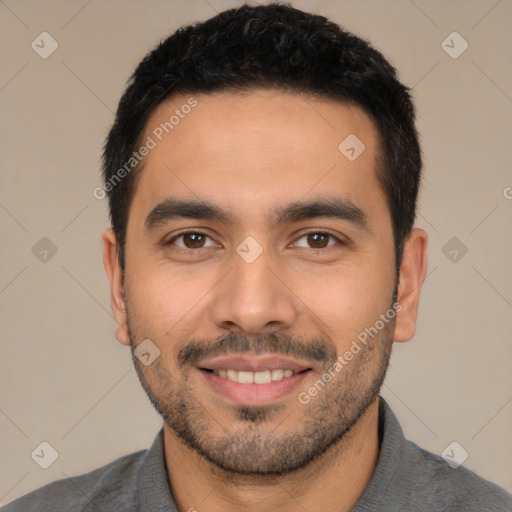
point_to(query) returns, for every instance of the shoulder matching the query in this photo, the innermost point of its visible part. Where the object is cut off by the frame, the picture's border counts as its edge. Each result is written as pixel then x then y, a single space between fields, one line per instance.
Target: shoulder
pixel 410 478
pixel 435 483
pixel 112 487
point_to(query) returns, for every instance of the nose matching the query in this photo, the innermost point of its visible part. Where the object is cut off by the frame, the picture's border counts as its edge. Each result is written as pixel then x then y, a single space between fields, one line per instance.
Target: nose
pixel 254 298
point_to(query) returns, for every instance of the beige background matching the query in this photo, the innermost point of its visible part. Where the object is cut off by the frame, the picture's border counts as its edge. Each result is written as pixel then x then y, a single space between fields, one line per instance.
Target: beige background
pixel 64 378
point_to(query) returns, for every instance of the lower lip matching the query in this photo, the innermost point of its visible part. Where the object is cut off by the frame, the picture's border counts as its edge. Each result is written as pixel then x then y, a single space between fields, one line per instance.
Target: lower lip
pixel 253 394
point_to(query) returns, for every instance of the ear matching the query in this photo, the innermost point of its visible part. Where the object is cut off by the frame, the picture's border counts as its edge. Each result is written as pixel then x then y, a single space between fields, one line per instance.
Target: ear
pixel 113 269
pixel 412 274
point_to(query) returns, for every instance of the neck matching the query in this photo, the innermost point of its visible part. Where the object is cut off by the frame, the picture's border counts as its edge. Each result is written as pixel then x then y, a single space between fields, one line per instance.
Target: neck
pixel 334 481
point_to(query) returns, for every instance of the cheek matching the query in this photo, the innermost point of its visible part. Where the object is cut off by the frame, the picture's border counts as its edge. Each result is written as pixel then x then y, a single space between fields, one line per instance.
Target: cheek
pixel 163 300
pixel 348 301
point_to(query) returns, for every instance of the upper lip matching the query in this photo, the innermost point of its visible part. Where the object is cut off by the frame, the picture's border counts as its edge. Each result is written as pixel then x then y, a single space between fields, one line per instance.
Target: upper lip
pixel 246 363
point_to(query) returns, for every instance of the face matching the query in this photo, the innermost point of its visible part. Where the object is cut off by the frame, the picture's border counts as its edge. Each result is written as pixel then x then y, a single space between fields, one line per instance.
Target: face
pixel 257 254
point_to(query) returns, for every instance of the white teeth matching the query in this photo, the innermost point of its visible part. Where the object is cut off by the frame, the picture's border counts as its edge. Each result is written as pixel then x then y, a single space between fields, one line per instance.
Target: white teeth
pixel 277 374
pixel 262 377
pixel 246 377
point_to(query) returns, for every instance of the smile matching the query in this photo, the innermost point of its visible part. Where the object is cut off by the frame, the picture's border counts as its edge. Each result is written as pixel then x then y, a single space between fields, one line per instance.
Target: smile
pixel 253 388
pixel 263 377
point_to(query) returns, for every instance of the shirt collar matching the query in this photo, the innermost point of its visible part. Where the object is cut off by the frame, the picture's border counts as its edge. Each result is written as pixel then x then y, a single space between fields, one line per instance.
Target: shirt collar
pixel 385 480
pixel 153 491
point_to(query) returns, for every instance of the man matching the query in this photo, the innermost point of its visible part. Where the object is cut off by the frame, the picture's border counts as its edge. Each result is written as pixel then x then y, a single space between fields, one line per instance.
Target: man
pixel 262 175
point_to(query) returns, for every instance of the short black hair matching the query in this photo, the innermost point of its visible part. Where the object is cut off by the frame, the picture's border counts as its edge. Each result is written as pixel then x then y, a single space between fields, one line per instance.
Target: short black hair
pixel 279 47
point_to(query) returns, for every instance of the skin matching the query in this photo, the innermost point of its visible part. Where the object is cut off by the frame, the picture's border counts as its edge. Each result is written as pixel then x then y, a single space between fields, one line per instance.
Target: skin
pixel 250 153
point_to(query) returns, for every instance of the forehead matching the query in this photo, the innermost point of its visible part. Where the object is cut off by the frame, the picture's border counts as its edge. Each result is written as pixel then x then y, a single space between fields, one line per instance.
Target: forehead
pixel 256 148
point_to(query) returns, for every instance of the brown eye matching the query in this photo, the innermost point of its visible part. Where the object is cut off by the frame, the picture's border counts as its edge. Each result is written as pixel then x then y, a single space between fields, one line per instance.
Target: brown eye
pixel 317 240
pixel 191 240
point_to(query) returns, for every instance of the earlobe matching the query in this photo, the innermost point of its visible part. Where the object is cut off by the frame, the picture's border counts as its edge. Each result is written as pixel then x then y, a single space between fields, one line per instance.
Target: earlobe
pixel 114 273
pixel 412 274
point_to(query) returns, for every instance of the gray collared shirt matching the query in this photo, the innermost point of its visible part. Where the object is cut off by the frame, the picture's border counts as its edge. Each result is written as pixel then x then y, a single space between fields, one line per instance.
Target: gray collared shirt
pixel 406 478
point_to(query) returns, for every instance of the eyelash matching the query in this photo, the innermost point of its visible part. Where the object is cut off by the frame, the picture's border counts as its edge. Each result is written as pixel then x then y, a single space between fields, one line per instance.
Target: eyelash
pixel 199 232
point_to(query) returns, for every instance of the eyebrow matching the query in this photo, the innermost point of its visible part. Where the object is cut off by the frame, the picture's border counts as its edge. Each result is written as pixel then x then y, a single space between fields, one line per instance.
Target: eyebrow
pixel 330 207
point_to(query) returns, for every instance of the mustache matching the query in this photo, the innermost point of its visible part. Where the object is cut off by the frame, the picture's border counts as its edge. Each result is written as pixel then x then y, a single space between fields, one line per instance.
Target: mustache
pixel 274 343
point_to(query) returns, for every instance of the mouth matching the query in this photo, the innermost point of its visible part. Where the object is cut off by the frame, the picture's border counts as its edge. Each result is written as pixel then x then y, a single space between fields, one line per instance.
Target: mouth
pixel 246 380
pixel 248 377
